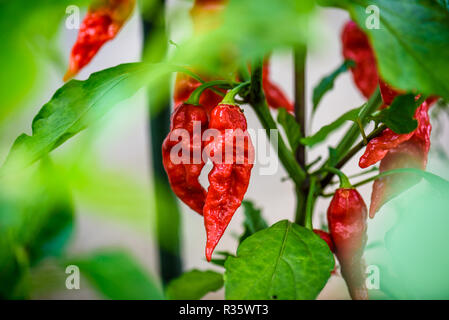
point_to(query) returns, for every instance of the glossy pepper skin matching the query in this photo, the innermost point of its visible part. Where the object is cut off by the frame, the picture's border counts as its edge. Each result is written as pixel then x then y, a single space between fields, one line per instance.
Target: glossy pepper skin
pixel 230 176
pixel 183 176
pixel 347 215
pixel 356 47
pixel 103 21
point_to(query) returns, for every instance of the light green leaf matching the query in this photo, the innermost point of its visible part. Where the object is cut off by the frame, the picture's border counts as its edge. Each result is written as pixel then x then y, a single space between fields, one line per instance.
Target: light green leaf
pixel 325 131
pixel 291 128
pixel 194 285
pixel 399 117
pixel 117 275
pixel 254 221
pixel 285 261
pixel 74 107
pixel 327 83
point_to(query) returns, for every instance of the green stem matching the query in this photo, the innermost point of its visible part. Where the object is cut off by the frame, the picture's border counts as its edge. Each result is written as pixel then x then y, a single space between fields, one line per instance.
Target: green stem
pixel 258 102
pixel 230 96
pixel 311 198
pixel 344 181
pixel 194 98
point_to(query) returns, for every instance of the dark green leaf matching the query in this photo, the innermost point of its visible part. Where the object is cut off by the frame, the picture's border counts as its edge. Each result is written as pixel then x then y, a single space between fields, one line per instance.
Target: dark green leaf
pixel 118 276
pixel 327 83
pixel 194 285
pixel 254 221
pixel 410 55
pixel 285 261
pixel 333 157
pixel 444 3
pixel 325 131
pixel 73 107
pixel 399 117
pixel 291 128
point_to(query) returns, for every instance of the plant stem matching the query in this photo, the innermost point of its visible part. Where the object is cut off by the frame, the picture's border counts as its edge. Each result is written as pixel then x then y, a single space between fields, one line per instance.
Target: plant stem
pixel 351 136
pixel 300 100
pixel 327 180
pixel 259 104
pixel 310 204
pixel 168 217
pixel 300 56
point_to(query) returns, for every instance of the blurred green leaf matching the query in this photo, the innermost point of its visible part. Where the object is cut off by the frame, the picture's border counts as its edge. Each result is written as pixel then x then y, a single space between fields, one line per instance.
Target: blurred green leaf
pixel 117 275
pixel 399 117
pixel 253 222
pixel 325 131
pixel 403 48
pixel 194 284
pixel 74 107
pixel 291 128
pixel 327 83
pixel 285 261
pixel 27 30
pixel 414 258
pixel 36 221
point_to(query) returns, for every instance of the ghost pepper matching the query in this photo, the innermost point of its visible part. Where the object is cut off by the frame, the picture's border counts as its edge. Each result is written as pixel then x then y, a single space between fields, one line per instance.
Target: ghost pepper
pixel 102 23
pixel 232 155
pixel 356 47
pixel 347 215
pixel 183 171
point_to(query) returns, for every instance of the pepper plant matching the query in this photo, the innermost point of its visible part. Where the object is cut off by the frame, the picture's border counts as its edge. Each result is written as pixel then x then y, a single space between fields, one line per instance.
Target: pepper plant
pixel 399 66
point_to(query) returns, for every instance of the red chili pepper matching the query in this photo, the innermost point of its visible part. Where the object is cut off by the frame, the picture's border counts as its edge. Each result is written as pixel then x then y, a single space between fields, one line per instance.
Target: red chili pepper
pixel 326 237
pixel 347 216
pixel 232 155
pixel 103 21
pixel 411 152
pixel 356 47
pixel 276 98
pixel 183 176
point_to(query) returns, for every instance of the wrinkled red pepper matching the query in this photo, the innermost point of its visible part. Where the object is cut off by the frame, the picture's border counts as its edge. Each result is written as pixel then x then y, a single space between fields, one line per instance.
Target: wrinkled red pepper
pixel 183 176
pixel 356 47
pixel 398 151
pixel 103 21
pixel 229 178
pixel 347 215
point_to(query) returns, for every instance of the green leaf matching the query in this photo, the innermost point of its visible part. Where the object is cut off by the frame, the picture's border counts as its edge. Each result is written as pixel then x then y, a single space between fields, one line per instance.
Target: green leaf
pixel 291 127
pixel 410 56
pixel 399 117
pixel 74 107
pixel 36 221
pixel 253 222
pixel 118 276
pixel 327 83
pixel 285 261
pixel 444 3
pixel 194 285
pixel 325 131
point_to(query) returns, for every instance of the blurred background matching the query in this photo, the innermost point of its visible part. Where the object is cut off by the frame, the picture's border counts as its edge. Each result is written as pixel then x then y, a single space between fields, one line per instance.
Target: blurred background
pixel 107 168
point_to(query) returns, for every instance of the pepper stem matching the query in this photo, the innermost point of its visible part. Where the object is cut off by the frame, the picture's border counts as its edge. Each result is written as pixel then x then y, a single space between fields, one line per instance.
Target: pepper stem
pixel 230 96
pixel 194 98
pixel 344 180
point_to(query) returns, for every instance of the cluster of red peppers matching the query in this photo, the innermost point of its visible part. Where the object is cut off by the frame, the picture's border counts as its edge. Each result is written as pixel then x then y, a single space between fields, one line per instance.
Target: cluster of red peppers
pixel 391 149
pixel 228 180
